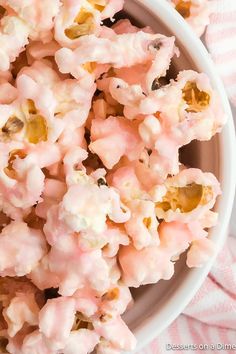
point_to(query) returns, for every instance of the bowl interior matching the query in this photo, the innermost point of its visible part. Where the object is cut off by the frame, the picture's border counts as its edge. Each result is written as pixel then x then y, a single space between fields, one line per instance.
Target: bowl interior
pixel 155 303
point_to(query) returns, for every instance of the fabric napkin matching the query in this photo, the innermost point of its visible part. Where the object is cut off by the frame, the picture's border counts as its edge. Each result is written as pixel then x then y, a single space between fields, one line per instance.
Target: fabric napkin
pixel 208 324
pixel 221 41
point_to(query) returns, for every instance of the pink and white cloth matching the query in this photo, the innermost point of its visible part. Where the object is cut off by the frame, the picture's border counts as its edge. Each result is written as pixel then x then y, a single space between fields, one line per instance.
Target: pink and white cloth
pixel 208 324
pixel 221 42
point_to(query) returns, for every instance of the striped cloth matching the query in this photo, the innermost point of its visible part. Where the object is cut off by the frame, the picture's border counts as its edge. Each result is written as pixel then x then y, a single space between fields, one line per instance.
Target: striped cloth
pixel 221 42
pixel 208 324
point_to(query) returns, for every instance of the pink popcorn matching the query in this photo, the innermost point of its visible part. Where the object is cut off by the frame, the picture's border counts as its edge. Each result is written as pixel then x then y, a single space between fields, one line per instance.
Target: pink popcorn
pixel 116 300
pixel 46 154
pixel 126 181
pixel 195 12
pixel 8 93
pixel 163 50
pixel 37 50
pixel 142 226
pixel 68 268
pixel 15 344
pixel 119 136
pixel 62 102
pixel 53 194
pixel 165 161
pixel 105 347
pixel 113 270
pixel 71 136
pixel 150 130
pixel 13 37
pixel 114 237
pixel 136 180
pixel 5 76
pixel 74 100
pixel 175 236
pixel 75 20
pixel 44 102
pixel 22 180
pixel 21 310
pixel 42 73
pixel 201 115
pixel 87 301
pixel 54 228
pixel 73 165
pixel 81 342
pixel 121 50
pixel 77 216
pixel 125 94
pixel 188 108
pixel 190 195
pixel 108 327
pixel 34 343
pixel 146 266
pixel 21 249
pixel 42 277
pixel 38 16
pixel 161 100
pixel 200 252
pixel 109 241
pixel 56 320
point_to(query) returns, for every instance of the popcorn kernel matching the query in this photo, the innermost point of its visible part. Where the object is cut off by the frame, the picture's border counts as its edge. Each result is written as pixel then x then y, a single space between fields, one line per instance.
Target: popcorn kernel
pixel 197 100
pixel 77 31
pixel 147 222
pixel 183 8
pixel 36 129
pixel 186 198
pixel 9 170
pixel 83 16
pixel 90 67
pixel 31 107
pixel 112 295
pixel 81 322
pixel 84 25
pixel 98 4
pixel 13 125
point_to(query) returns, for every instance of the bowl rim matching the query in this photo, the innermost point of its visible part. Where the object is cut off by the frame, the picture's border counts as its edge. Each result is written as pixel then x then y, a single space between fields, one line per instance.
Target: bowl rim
pixel 147 331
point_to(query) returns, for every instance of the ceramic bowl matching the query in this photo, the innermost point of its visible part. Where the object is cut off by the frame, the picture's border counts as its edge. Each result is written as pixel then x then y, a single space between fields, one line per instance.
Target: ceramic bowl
pixel 156 306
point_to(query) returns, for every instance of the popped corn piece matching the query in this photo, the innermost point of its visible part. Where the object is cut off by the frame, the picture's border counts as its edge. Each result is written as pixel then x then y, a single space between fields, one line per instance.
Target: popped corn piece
pixel 38 16
pixel 21 310
pixel 71 268
pixel 142 226
pixel 120 135
pixel 121 50
pixel 34 343
pixel 56 320
pixel 13 37
pixel 200 252
pixel 21 249
pixel 146 266
pixel 108 329
pixel 81 342
pixel 190 195
pixel 195 12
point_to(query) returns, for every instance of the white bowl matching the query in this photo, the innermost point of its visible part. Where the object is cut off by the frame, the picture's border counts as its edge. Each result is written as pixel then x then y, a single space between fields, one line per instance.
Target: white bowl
pixel 158 305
